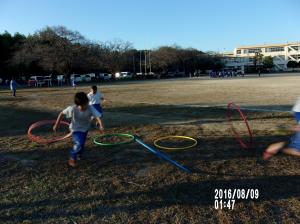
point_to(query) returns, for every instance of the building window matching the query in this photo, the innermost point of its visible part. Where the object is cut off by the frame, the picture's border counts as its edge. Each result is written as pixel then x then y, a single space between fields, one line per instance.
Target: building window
pixel 254 50
pixel 238 52
pixel 296 48
pixel 274 49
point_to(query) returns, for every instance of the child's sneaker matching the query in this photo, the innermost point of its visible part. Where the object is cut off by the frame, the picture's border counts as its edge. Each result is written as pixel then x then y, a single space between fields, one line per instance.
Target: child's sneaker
pixel 72 162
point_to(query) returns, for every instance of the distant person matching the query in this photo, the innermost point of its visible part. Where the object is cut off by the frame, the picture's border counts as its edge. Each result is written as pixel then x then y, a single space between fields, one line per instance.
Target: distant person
pixel 293 146
pixel 13 86
pixel 60 80
pixel 96 98
pixel 80 115
pixel 73 82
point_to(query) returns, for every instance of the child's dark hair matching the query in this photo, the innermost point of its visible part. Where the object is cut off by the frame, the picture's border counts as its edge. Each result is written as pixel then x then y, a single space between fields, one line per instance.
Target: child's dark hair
pixel 94 88
pixel 81 99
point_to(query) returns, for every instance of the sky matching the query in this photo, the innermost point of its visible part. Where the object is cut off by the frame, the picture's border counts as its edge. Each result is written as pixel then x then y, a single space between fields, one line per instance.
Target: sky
pixel 208 25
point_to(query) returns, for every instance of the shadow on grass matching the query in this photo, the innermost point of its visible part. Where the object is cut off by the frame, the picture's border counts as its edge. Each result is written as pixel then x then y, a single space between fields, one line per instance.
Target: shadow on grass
pixel 205 114
pixel 15 121
pixel 200 193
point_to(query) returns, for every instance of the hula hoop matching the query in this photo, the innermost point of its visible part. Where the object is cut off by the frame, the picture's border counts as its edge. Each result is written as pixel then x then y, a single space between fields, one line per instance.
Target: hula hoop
pixel 129 136
pixel 41 140
pixel 175 148
pixel 162 155
pixel 245 145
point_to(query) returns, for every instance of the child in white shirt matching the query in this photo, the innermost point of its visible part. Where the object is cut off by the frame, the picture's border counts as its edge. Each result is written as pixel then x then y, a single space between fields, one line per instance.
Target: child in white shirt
pixel 80 115
pixel 95 99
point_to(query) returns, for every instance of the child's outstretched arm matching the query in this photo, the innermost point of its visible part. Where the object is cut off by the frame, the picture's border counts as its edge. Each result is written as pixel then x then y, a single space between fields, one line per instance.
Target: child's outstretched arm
pixel 59 118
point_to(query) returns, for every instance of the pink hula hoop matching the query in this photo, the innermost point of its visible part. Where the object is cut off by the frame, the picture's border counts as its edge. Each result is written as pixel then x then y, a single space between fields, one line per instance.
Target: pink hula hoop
pixel 243 144
pixel 41 140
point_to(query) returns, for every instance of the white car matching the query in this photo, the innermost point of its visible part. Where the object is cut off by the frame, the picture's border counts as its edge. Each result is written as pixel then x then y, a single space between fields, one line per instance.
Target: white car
pixel 60 78
pixel 92 75
pixel 76 78
pixel 126 75
pixel 36 81
pixel 123 75
pixel 86 78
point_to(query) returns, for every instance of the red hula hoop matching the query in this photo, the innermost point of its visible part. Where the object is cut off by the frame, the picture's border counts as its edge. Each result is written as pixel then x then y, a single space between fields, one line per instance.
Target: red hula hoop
pixel 243 144
pixel 41 140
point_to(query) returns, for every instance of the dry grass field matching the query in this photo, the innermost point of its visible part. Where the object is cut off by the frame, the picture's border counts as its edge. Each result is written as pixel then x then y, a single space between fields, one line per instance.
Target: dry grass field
pixel 127 184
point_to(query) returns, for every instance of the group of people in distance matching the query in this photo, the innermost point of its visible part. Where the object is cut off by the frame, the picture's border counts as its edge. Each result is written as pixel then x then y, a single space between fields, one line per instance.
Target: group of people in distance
pixel 86 107
pixel 226 74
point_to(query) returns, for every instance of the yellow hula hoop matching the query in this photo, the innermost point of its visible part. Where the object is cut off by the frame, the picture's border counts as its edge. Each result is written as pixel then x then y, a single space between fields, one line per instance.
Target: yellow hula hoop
pixel 175 148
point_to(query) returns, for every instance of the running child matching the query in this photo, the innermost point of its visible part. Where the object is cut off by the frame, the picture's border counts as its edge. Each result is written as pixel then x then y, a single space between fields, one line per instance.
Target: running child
pixel 95 98
pixel 293 146
pixel 80 114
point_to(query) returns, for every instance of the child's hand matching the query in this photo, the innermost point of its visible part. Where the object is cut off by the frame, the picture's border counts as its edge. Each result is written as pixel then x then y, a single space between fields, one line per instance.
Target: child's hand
pixel 55 127
pixel 297 128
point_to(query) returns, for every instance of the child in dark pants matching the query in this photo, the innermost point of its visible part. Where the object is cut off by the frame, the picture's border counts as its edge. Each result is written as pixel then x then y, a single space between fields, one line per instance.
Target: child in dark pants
pixel 80 114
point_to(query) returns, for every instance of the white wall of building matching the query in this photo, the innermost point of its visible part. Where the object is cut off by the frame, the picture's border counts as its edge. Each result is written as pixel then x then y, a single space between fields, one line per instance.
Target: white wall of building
pixel 281 54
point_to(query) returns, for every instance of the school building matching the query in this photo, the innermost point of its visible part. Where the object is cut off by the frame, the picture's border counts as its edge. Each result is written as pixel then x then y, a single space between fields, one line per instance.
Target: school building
pixel 242 58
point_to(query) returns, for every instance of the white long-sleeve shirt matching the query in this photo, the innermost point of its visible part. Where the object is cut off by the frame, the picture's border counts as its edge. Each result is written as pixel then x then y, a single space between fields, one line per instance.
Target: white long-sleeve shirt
pixel 95 98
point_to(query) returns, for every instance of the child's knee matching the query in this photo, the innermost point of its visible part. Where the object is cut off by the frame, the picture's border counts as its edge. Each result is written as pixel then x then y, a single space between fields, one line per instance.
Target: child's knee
pixel 77 147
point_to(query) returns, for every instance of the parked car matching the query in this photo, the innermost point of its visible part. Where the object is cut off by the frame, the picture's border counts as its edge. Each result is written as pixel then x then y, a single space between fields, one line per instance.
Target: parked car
pixel 92 75
pixel 86 78
pixel 126 75
pixel 60 78
pixel 36 81
pixel 123 75
pixel 76 77
pixel 168 75
pixel 117 75
pixel 105 76
pixel 48 80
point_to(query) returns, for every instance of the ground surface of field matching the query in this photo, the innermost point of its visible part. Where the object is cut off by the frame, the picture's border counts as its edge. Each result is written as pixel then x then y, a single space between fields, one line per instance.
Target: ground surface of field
pixel 127 184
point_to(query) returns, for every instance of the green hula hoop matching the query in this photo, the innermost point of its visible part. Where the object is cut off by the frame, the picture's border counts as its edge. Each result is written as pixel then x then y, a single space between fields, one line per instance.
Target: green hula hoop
pixel 129 136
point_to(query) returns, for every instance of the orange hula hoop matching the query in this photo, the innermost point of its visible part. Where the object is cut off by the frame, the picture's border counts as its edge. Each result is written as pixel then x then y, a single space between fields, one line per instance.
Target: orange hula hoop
pixel 41 140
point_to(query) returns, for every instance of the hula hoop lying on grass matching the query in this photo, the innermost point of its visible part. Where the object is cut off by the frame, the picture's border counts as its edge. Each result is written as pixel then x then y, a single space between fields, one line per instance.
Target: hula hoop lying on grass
pixel 194 142
pixel 128 136
pixel 42 140
pixel 243 144
pixel 163 156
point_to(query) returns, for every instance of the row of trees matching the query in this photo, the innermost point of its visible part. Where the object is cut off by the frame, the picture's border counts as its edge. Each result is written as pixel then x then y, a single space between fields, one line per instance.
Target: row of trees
pixel 58 50
pixel 261 61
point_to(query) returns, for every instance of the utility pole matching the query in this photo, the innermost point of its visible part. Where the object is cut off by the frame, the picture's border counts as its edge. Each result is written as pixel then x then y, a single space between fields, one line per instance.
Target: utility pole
pixel 145 62
pixel 133 62
pixel 150 61
pixel 140 61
